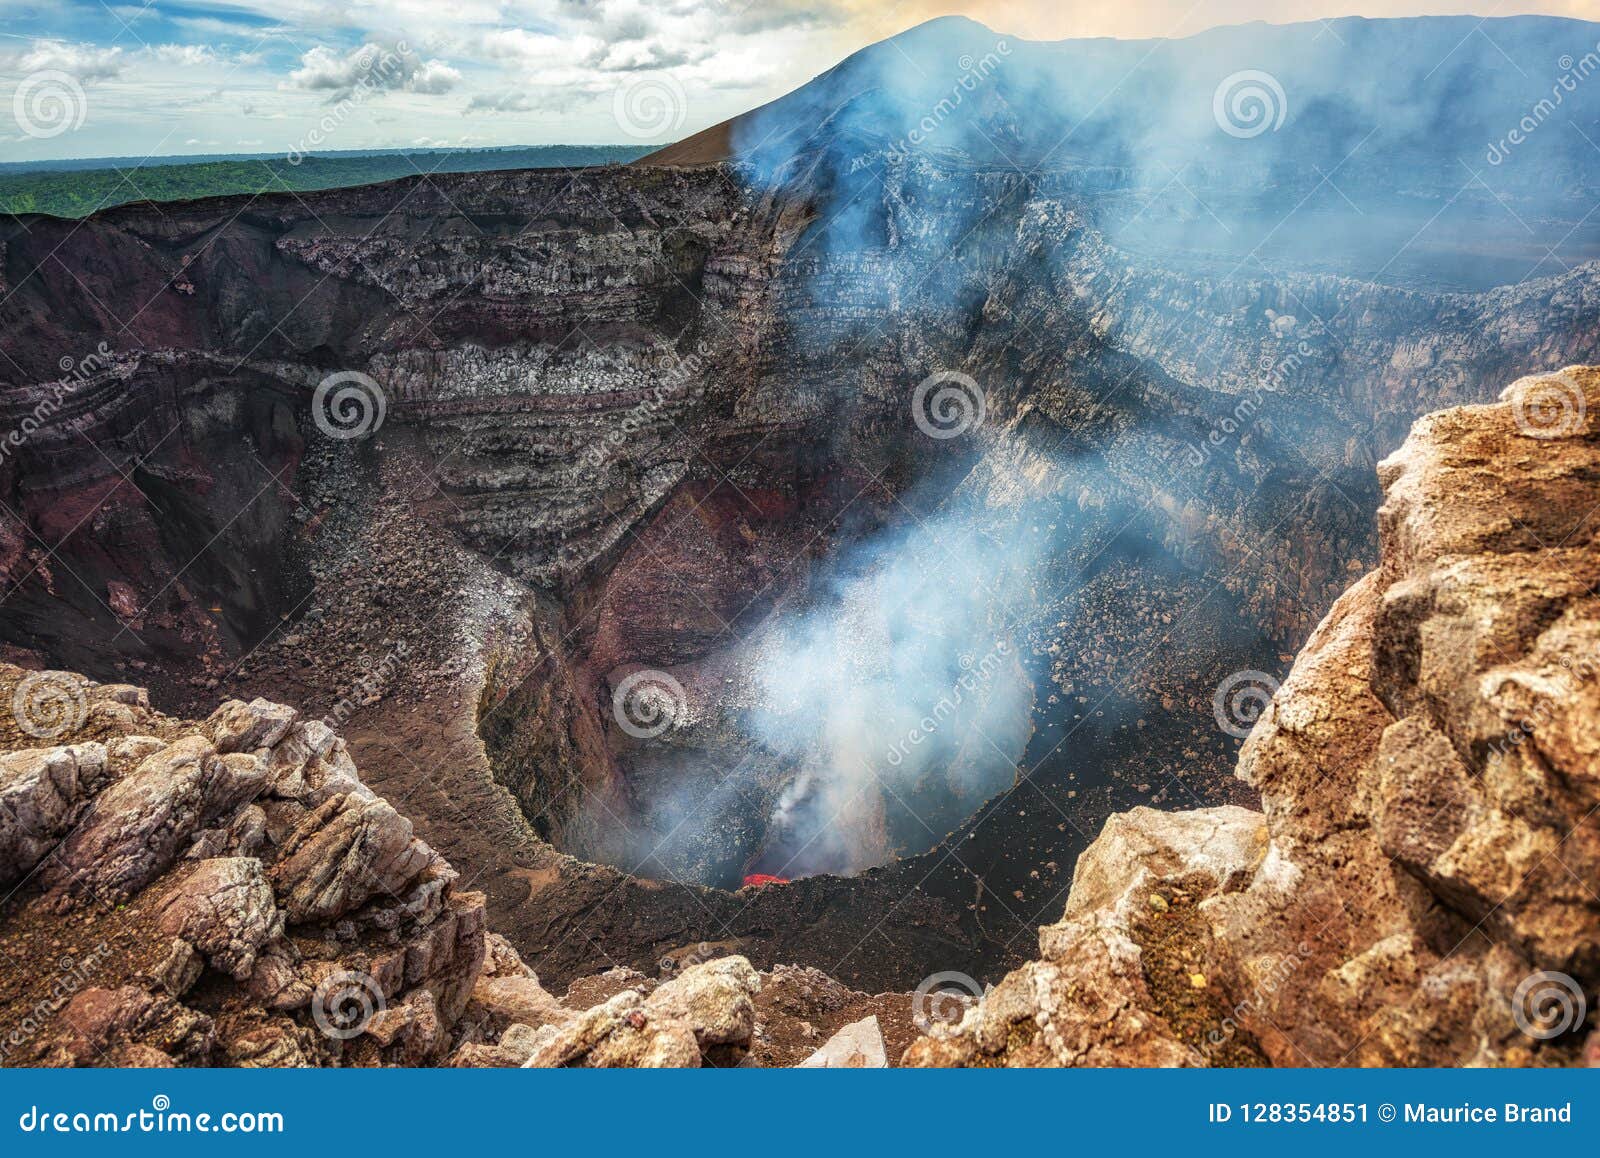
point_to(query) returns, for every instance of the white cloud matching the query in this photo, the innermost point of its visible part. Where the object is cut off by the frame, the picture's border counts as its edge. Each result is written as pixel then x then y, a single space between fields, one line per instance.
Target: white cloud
pixel 187 55
pixel 434 77
pixel 372 66
pixel 505 102
pixel 84 61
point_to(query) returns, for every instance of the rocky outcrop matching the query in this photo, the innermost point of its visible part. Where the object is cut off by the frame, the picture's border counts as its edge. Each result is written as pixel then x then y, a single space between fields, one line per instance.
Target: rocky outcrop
pixel 229 892
pixel 625 421
pixel 1417 889
pixel 244 849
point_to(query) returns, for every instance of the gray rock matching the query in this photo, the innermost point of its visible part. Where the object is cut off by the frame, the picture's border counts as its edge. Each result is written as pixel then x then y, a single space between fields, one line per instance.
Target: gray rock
pixel 43 793
pixel 857 1046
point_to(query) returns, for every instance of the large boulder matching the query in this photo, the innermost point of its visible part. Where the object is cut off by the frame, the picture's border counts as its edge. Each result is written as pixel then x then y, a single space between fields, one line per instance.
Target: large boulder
pixel 140 824
pixel 345 852
pixel 1418 887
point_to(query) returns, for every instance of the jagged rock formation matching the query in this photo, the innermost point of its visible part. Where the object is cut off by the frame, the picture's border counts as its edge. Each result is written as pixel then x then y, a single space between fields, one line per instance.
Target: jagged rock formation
pixel 1418 888
pixel 228 892
pixel 625 421
pixel 222 892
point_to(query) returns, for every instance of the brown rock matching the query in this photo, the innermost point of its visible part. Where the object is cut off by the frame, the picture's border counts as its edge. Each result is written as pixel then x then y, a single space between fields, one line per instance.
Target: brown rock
pixel 344 853
pixel 224 908
pixel 138 825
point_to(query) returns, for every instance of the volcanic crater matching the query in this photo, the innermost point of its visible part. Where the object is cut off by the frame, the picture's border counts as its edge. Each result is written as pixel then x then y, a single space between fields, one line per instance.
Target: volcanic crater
pixel 803 567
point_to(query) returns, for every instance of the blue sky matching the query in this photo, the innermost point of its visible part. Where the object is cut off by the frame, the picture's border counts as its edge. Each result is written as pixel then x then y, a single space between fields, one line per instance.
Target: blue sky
pixel 137 78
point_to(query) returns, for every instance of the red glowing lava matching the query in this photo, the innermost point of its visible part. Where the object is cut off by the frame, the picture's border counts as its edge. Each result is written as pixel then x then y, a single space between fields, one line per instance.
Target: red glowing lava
pixel 762 880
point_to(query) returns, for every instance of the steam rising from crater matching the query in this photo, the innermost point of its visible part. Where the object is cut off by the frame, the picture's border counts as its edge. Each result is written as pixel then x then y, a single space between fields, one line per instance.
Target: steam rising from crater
pixel 900 697
pixel 861 726
pixel 1379 148
pixel 952 178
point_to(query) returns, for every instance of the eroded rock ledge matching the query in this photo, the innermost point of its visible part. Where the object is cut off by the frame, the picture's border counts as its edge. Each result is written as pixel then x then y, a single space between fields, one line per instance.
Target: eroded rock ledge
pixel 1429 778
pixel 228 892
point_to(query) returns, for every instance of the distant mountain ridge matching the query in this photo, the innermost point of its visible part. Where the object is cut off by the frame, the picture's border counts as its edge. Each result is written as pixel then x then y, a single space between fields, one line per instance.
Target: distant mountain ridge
pixel 1443 153
pixel 1363 95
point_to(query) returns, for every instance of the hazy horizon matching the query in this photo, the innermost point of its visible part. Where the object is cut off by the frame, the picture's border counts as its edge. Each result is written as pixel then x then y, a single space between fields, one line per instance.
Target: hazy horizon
pixel 187 79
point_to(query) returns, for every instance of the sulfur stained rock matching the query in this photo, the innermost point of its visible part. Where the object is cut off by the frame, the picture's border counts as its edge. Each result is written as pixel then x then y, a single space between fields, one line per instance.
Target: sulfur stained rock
pixel 618 1034
pixel 714 997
